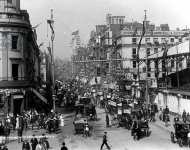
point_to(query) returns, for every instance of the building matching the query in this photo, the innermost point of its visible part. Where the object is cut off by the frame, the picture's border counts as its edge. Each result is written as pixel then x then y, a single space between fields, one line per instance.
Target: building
pixel 153 44
pixel 76 41
pixel 113 51
pixel 19 57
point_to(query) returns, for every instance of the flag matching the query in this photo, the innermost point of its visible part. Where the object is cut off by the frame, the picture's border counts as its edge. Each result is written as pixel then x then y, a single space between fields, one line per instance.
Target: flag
pixel 50 22
pixel 142 35
pixel 144 29
pixel 49 50
pixel 75 32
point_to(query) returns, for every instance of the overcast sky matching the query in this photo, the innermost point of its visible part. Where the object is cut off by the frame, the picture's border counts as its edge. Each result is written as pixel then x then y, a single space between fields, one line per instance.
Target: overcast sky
pixel 85 14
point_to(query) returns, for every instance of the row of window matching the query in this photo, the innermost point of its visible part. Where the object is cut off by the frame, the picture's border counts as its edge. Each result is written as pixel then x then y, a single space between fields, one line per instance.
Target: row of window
pixel 155 40
pixel 148 75
pixel 134 51
pixel 172 64
pixel 14 42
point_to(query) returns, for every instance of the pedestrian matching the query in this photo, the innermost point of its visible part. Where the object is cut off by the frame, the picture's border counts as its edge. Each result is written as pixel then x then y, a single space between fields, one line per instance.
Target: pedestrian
pixel 188 117
pixel 40 146
pixel 25 145
pixel 105 141
pixel 17 121
pixel 45 142
pixel 63 146
pixel 107 121
pixel 34 142
pixel 184 117
pixel 4 147
pixel 19 133
pixel 188 136
pixel 62 121
pixel 86 130
pixel 2 133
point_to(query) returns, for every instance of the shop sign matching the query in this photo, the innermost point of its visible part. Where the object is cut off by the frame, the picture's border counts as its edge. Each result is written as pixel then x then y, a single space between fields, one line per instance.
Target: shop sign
pixel 119 104
pixel 127 87
pixel 126 111
pixel 119 112
pixel 112 103
pixel 18 96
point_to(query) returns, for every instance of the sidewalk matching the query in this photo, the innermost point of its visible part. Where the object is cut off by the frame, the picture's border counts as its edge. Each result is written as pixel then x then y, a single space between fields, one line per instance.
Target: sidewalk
pixel 52 138
pixel 162 125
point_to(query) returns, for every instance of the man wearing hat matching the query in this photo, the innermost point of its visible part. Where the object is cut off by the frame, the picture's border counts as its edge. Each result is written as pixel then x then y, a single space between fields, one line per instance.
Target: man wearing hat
pixel 25 145
pixel 63 146
pixel 105 141
pixel 34 142
pixel 4 147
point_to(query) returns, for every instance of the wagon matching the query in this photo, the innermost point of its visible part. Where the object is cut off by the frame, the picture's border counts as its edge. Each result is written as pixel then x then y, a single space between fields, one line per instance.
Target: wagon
pixel 140 129
pixel 79 124
pixel 86 108
pixel 180 134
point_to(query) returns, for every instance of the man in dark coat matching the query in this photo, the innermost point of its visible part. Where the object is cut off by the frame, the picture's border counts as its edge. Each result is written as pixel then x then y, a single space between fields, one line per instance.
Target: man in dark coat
pixel 105 141
pixel 25 145
pixel 4 147
pixel 63 146
pixel 107 121
pixel 34 142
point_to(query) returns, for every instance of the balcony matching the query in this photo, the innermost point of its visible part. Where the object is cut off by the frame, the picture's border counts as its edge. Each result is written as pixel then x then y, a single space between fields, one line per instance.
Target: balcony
pixel 16 82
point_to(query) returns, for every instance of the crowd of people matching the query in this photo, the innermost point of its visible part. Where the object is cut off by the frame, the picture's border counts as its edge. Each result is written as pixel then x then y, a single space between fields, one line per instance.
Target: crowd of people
pixel 29 120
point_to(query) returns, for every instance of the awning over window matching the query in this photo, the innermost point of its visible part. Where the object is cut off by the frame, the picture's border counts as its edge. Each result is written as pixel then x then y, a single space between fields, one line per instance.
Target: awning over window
pixel 39 95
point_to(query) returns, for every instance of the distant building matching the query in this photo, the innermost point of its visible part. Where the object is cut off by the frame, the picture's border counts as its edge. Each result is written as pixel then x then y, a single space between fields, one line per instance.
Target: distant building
pixel 76 41
pixel 152 44
pixel 117 42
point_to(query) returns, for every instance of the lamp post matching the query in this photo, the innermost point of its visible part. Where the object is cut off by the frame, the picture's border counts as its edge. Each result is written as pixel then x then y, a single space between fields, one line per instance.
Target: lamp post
pixel 165 97
pixel 178 102
pixel 51 23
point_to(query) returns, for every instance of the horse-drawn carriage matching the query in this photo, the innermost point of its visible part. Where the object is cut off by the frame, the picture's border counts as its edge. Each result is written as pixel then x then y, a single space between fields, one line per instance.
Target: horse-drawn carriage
pixel 180 135
pixel 164 116
pixel 86 108
pixel 79 125
pixel 139 129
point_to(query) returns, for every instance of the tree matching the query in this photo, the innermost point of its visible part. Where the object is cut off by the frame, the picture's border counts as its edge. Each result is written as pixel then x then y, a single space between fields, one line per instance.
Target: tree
pixel 63 69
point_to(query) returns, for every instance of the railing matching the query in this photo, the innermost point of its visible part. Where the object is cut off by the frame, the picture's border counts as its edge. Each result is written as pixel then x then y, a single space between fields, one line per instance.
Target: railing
pixel 17 78
pixel 18 17
pixel 156 33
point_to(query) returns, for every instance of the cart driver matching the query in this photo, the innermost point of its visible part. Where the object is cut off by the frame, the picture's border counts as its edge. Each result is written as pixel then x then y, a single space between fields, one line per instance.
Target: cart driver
pixel 86 130
pixel 188 136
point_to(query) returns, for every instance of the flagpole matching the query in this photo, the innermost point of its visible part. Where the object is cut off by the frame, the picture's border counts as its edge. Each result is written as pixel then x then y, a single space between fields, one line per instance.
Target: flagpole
pixel 51 23
pixel 53 61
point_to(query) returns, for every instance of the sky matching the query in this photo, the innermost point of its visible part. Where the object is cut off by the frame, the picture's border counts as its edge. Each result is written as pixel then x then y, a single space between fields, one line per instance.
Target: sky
pixel 84 15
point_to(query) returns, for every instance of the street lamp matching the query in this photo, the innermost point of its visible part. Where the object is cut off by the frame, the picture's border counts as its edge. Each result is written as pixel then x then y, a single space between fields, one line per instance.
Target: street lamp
pixel 178 102
pixel 165 96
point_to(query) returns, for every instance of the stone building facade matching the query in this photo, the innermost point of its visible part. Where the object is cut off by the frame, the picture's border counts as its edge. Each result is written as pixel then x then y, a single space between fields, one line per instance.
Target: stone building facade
pixel 19 56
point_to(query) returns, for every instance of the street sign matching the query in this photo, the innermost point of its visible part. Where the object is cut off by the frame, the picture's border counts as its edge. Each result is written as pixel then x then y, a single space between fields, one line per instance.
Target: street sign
pixel 18 96
pixel 112 103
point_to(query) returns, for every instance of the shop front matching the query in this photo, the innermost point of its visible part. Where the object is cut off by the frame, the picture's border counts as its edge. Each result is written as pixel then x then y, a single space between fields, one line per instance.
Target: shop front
pixel 17 102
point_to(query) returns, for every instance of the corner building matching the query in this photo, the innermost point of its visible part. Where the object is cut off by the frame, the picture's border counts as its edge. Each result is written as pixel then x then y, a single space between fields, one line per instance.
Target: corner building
pixel 19 57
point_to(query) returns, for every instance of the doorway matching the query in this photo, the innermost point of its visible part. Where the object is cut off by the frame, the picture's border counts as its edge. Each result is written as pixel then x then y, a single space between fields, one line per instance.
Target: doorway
pixel 15 71
pixel 17 106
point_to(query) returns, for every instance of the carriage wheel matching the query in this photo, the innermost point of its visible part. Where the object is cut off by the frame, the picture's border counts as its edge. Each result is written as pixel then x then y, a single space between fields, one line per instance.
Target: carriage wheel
pixel 172 137
pixel 134 136
pixel 147 133
pixel 132 133
pixel 180 143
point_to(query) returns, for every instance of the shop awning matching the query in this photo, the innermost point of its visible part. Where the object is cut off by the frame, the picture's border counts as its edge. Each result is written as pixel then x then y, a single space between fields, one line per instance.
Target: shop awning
pixel 39 95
